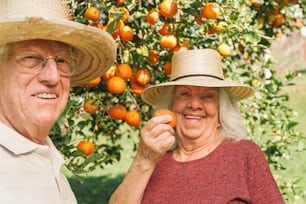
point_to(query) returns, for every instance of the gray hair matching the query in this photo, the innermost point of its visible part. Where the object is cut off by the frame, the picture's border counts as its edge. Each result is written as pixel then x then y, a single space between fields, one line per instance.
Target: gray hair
pixel 231 120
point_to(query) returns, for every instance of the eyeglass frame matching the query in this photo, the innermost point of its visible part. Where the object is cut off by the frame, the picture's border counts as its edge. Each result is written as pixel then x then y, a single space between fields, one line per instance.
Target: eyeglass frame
pixel 43 62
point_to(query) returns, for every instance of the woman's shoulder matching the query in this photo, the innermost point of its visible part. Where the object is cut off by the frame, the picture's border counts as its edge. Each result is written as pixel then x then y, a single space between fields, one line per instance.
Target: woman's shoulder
pixel 244 145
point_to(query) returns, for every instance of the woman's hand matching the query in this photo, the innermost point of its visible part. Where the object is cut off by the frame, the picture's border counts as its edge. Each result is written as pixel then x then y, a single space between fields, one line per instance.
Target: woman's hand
pixel 157 137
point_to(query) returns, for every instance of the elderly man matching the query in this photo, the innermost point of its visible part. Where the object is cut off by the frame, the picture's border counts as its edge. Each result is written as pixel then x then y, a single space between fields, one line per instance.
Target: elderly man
pixel 42 55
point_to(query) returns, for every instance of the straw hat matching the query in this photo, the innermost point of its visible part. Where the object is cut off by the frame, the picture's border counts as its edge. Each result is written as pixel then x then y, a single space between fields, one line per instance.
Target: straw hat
pixel 47 19
pixel 200 67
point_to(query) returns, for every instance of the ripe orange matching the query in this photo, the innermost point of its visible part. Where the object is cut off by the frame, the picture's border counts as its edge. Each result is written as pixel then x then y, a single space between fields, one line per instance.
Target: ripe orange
pixel 110 73
pixel 94 82
pixel 168 42
pixel 167 68
pixel 124 71
pixel 119 26
pixel 220 27
pixel 279 20
pixel 86 146
pixel 255 3
pixel 152 16
pixel 179 49
pixel 132 118
pixel 278 35
pixel 210 30
pixel 117 111
pixel 142 77
pixel 119 2
pixel 168 8
pixel 167 29
pixel 92 13
pixel 137 89
pixel 126 33
pixel 172 123
pixel 153 56
pixel 198 19
pixel 126 13
pixel 90 106
pixel 224 49
pixel 211 11
pixel 116 85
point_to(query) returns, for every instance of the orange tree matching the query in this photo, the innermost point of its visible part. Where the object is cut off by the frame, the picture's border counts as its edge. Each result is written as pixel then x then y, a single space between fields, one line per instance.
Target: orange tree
pixel 147 34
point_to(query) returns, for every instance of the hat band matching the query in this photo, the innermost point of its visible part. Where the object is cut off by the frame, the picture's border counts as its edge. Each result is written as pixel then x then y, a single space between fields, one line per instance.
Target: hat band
pixel 195 75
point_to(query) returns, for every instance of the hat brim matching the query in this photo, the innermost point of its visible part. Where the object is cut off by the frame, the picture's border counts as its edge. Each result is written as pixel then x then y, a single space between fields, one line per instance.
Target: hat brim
pixel 95 49
pixel 152 94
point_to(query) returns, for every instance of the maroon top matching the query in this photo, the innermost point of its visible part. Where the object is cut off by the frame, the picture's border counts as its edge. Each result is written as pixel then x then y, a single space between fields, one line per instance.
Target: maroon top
pixel 235 172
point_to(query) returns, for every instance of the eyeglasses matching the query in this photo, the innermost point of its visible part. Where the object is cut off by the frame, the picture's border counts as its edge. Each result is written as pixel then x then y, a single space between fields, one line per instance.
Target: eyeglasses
pixel 33 63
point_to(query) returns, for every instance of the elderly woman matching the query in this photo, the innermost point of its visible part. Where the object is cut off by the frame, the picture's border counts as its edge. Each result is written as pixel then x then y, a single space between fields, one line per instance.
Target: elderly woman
pixel 207 158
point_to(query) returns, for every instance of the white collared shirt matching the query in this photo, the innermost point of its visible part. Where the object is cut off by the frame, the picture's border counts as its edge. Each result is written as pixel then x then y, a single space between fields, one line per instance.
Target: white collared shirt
pixel 31 173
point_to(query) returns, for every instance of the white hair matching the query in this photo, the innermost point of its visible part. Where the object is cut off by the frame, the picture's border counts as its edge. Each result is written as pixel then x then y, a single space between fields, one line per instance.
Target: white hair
pixel 231 120
pixel 230 117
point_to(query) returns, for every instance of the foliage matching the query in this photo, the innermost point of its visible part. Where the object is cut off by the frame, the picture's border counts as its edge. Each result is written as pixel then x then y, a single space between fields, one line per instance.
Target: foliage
pixel 247 27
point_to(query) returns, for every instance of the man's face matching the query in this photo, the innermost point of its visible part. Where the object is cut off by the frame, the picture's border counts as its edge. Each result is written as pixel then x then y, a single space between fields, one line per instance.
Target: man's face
pixel 30 102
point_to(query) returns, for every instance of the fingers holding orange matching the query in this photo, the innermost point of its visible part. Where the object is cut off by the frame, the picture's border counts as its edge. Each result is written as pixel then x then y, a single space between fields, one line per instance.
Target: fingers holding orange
pixel 172 123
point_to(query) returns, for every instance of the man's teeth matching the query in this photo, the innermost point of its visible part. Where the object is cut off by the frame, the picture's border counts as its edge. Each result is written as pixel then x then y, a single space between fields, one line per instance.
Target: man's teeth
pixel 46 95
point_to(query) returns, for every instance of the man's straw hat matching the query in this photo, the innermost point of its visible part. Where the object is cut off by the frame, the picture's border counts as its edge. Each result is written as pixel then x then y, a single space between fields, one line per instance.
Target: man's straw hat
pixel 48 19
pixel 200 67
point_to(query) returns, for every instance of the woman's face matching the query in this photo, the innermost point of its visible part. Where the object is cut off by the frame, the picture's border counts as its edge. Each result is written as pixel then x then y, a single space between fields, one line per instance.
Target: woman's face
pixel 196 109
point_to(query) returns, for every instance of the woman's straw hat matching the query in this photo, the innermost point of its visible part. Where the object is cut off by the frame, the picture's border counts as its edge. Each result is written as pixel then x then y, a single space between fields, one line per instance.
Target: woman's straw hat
pixel 48 19
pixel 200 67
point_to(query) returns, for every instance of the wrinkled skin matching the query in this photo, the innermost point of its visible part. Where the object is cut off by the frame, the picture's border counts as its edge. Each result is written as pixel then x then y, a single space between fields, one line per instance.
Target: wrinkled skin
pixel 31 104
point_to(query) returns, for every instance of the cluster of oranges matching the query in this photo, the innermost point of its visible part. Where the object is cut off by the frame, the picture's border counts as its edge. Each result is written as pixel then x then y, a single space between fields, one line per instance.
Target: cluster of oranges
pixel 117 78
pixel 168 9
pixel 119 112
pixel 118 28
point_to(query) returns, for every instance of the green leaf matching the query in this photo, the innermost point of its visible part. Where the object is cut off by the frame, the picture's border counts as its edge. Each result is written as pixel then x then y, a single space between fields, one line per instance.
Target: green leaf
pixel 251 37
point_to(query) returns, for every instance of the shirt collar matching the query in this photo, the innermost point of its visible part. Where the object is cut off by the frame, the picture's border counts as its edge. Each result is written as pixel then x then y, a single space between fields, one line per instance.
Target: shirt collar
pixel 15 142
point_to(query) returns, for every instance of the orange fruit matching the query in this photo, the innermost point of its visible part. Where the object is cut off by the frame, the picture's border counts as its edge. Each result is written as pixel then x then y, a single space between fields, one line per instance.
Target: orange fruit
pixel 279 20
pixel 179 48
pixel 198 19
pixel 124 71
pixel 172 123
pixel 126 13
pixel 119 26
pixel 86 146
pixel 278 35
pixel 116 85
pixel 220 27
pixel 167 29
pixel 132 118
pixel 152 16
pixel 168 41
pixel 167 68
pixel 142 77
pixel 224 49
pixel 211 11
pixel 126 33
pixel 119 2
pixel 110 73
pixel 90 106
pixel 210 30
pixel 93 14
pixel 117 111
pixel 168 8
pixel 137 89
pixel 94 82
pixel 256 3
pixel 153 56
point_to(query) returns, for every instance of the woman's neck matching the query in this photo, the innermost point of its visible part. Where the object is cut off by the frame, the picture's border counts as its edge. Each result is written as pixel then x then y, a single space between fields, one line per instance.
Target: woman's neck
pixel 191 152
